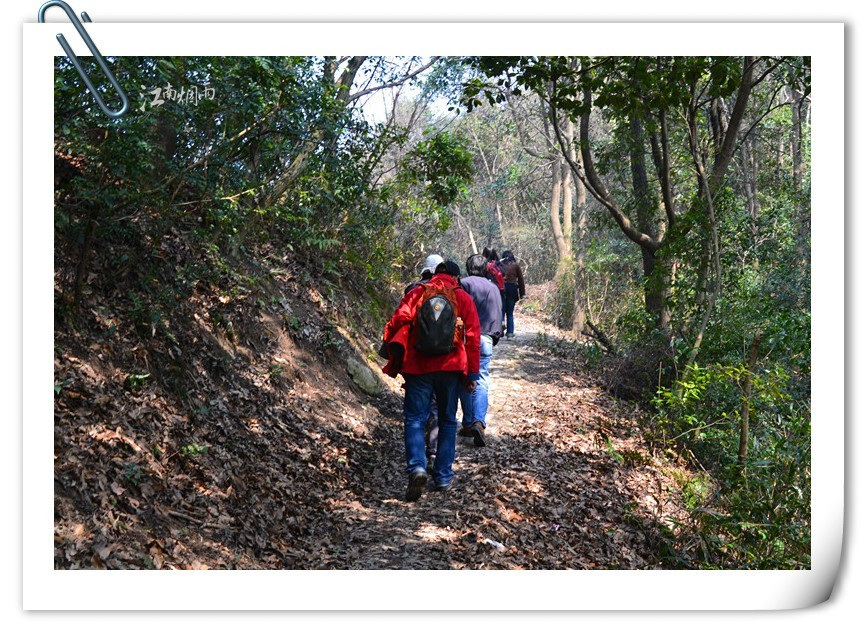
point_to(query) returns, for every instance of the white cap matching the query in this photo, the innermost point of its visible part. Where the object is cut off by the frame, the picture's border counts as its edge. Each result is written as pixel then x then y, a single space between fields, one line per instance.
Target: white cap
pixel 431 263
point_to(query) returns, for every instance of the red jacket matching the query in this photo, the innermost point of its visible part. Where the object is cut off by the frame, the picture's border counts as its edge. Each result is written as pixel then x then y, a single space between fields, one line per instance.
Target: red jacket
pixel 399 332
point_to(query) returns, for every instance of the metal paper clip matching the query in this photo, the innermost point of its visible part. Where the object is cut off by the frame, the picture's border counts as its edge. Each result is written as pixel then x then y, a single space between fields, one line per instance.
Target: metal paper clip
pixel 99 58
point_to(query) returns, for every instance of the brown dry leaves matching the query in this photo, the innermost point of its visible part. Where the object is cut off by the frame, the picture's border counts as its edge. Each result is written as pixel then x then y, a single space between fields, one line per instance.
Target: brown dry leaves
pixel 260 466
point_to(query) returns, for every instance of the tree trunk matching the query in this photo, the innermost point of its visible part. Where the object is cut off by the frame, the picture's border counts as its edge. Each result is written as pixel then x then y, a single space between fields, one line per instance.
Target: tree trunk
pixel 664 271
pixel 556 201
pixel 567 181
pixel 342 85
pixel 727 150
pixel 798 170
pixel 579 311
pixel 83 261
pixel 750 182
pixel 650 241
pixel 712 240
pixel 796 135
pixel 779 171
pixel 710 183
pixel 470 236
pixel 647 216
pixel 715 115
pixel 499 221
pixel 566 186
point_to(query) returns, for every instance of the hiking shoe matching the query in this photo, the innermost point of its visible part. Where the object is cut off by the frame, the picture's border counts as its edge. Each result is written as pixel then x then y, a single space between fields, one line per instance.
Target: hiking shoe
pixel 465 431
pixel 478 433
pixel 445 487
pixel 417 482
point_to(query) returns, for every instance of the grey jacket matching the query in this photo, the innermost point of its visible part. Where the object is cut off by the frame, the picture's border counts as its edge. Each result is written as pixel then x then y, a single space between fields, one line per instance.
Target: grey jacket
pixel 489 304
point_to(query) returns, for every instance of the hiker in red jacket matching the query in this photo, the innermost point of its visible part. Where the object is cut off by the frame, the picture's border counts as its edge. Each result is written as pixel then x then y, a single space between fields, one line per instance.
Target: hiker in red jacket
pixel 428 373
pixel 494 269
pixel 431 429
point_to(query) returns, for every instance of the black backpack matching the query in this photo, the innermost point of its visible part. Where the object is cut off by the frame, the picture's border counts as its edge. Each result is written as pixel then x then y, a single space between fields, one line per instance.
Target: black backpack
pixel 436 322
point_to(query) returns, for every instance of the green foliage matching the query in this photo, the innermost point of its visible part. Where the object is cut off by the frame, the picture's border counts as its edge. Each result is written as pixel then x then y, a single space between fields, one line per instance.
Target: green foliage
pixel 136 381
pixel 443 164
pixel 754 515
pixel 433 175
pixel 612 452
pixel 60 386
pixel 432 178
pixel 696 490
pixel 193 450
pixel 132 474
pixel 758 514
pixel 208 167
pixel 622 84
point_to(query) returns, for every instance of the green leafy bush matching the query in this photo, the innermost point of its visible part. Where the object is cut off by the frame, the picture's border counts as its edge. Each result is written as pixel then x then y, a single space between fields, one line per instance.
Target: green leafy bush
pixel 757 516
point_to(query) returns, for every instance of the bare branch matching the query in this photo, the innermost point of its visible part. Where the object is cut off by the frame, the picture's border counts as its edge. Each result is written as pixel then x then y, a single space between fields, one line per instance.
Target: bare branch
pixel 765 115
pixel 401 81
pixel 771 68
pixel 662 158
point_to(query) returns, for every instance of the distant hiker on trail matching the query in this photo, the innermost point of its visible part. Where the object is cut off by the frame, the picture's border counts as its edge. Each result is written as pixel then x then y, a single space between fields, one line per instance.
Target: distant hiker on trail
pixel 514 290
pixel 495 274
pixel 494 270
pixel 489 305
pixel 433 339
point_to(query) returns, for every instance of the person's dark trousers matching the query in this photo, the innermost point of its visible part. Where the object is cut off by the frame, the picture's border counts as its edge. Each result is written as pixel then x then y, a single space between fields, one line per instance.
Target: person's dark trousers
pixel 445 385
pixel 509 301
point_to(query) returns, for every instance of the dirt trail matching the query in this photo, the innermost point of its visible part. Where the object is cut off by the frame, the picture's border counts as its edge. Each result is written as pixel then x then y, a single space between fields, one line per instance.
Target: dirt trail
pixel 564 482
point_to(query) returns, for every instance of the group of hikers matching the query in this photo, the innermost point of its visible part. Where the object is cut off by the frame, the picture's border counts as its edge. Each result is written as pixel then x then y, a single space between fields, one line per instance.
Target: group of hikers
pixel 441 338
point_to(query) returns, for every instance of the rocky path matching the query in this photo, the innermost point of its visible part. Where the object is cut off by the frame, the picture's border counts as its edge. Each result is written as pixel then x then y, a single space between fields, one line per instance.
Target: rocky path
pixel 564 482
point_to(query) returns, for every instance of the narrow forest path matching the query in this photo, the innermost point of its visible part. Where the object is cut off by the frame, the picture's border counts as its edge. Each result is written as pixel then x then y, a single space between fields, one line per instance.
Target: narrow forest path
pixel 564 482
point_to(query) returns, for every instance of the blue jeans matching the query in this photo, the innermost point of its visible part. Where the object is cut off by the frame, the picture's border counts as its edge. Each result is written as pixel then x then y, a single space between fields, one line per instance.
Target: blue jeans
pixel 445 385
pixel 510 298
pixel 475 405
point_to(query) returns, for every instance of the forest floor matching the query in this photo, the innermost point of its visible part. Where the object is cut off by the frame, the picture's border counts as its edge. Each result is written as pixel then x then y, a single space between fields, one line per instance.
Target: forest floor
pixel 271 458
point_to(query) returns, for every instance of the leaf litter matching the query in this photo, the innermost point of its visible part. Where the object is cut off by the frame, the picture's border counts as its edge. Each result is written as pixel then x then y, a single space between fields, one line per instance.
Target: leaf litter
pixel 276 461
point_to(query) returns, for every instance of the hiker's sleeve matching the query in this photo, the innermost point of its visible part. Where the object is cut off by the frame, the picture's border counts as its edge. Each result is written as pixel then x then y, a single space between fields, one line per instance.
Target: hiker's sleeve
pixel 473 331
pixel 520 280
pixel 403 315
